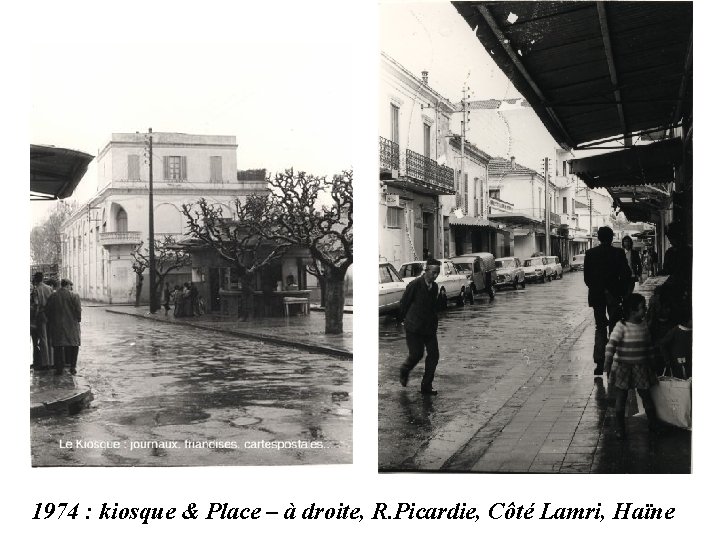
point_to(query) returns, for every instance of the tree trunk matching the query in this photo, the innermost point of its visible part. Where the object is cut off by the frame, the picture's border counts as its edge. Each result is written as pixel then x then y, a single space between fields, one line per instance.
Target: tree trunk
pixel 138 289
pixel 248 298
pixel 334 301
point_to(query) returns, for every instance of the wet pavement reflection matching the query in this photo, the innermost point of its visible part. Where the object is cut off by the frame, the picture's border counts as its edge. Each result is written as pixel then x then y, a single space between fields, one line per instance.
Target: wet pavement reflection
pixel 156 383
pixel 516 393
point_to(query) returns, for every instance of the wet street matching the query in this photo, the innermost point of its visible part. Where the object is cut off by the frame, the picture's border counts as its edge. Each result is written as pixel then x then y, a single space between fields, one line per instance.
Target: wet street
pixel 166 395
pixel 516 393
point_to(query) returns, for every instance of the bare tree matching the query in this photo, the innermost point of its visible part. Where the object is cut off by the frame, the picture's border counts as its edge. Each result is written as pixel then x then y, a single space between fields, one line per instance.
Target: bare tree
pixel 168 257
pixel 238 239
pixel 45 239
pixel 317 213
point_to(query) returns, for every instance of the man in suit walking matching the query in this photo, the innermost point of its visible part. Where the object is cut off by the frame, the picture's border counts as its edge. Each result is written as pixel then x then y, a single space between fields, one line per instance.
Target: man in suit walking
pixel 606 275
pixel 418 310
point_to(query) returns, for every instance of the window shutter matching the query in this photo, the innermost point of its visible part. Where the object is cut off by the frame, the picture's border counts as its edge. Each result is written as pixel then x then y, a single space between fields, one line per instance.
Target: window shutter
pixel 133 167
pixel 216 169
pixel 183 168
pixel 166 168
pixel 465 194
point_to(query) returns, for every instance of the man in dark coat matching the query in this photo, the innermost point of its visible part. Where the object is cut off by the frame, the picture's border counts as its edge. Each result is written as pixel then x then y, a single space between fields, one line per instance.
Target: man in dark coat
pixel 633 259
pixel 64 314
pixel 418 311
pixel 606 274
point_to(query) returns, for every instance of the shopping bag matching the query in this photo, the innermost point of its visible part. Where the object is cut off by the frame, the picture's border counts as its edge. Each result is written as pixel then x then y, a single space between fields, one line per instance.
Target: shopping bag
pixel 672 398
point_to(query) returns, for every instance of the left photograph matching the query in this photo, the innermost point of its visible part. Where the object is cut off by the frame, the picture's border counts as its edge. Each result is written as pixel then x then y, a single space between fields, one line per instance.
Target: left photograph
pixel 191 253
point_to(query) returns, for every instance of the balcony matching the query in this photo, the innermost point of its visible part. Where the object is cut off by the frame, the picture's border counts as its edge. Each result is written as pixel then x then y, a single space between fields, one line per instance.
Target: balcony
pixel 128 238
pixel 389 158
pixel 501 205
pixel 554 218
pixel 426 174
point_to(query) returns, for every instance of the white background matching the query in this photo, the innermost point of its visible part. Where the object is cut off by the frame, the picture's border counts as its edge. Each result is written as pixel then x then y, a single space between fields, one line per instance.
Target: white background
pixel 94 26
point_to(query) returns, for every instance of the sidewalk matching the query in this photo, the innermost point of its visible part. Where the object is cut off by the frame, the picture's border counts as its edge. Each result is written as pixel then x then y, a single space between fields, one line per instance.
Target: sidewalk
pixel 302 331
pixel 57 394
pixel 555 418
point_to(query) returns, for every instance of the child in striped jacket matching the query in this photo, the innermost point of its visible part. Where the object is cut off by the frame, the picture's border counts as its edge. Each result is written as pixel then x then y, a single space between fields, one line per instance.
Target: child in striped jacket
pixel 628 362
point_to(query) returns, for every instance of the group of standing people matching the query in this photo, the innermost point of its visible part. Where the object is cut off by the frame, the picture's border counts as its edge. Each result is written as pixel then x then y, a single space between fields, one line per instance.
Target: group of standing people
pixel 55 316
pixel 635 342
pixel 185 300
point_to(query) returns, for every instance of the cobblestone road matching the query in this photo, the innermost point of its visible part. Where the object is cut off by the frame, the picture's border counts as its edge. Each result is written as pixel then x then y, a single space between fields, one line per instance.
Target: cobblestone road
pixel 155 382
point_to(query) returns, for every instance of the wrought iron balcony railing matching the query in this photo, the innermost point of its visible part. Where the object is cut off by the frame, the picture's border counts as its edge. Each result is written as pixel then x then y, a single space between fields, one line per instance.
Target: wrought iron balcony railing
pixel 426 170
pixel 389 154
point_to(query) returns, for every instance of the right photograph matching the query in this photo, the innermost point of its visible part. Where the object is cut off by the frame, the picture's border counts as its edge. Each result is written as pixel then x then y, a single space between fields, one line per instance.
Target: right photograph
pixel 535 237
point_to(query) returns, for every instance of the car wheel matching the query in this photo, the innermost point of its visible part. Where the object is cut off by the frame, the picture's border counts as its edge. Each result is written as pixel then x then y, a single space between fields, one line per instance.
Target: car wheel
pixel 461 298
pixel 442 299
pixel 561 275
pixel 522 285
pixel 471 294
pixel 491 291
pixel 515 284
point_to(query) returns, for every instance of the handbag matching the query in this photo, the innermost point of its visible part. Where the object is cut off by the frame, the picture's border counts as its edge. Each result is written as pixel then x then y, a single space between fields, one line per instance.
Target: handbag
pixel 672 398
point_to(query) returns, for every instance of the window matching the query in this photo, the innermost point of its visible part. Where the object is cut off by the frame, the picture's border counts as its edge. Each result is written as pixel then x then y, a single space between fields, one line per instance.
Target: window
pixel 133 167
pixel 573 206
pixel 426 139
pixel 564 205
pixel 494 193
pixel 216 169
pixel 395 123
pixel 564 168
pixel 394 217
pixel 121 221
pixel 175 168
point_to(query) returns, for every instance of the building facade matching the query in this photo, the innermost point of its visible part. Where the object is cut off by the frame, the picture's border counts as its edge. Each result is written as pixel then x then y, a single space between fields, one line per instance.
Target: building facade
pixel 415 170
pixel 98 238
pixel 519 205
pixel 465 216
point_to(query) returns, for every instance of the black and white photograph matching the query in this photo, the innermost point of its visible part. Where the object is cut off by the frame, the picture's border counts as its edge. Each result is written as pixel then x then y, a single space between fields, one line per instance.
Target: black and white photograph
pixel 191 253
pixel 535 237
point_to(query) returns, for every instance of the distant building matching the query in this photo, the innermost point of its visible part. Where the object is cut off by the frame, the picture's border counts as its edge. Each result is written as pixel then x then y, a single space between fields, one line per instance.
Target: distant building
pixel 99 237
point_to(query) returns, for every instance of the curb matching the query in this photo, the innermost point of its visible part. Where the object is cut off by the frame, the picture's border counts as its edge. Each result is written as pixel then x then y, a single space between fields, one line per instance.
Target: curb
pixel 323 349
pixel 66 405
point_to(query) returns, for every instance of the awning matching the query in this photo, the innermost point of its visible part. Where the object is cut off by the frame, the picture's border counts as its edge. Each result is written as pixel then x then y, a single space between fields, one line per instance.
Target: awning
pixel 515 219
pixel 647 164
pixel 472 221
pixel 55 172
pixel 592 70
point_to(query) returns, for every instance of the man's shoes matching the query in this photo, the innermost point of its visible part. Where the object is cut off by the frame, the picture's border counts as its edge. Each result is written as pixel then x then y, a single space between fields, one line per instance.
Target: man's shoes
pixel 598 371
pixel 404 375
pixel 429 392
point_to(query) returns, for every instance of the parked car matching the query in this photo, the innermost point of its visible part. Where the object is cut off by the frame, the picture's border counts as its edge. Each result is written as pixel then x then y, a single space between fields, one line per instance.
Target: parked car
pixel 536 269
pixel 554 263
pixel 452 285
pixel 577 262
pixel 510 272
pixel 480 270
pixel 391 288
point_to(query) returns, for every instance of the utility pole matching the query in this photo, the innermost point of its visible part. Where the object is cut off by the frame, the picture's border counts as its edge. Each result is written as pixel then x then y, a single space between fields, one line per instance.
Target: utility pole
pixel 547 208
pixel 462 147
pixel 591 236
pixel 151 227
